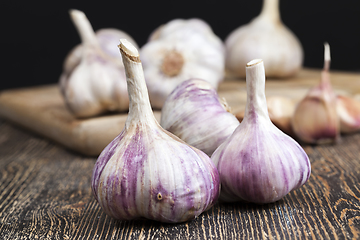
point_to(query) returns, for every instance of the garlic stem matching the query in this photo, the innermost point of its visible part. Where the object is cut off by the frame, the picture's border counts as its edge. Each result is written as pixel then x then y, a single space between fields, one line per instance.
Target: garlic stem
pixel 255 87
pixel 327 57
pixel 139 106
pixel 325 75
pixel 270 10
pixel 83 27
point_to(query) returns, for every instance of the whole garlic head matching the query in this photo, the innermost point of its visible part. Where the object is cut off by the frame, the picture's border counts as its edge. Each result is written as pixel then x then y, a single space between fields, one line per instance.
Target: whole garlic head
pixel 176 54
pixel 265 37
pixel 258 162
pixel 93 79
pixel 149 172
pixel 194 113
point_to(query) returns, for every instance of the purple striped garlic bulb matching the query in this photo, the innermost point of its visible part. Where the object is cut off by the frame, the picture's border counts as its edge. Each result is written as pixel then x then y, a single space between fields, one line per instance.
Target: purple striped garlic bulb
pixel 147 172
pixel 194 113
pixel 258 162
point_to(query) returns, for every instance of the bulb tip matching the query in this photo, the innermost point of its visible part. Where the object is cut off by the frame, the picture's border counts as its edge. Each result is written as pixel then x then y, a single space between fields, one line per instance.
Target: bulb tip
pixel 253 62
pixel 128 49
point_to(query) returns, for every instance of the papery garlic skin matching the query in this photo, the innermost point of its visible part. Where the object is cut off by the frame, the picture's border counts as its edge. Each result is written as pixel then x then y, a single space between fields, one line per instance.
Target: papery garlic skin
pixel 178 55
pixel 265 37
pixel 148 172
pixel 348 111
pixel 315 119
pixel 258 162
pixel 93 79
pixel 194 113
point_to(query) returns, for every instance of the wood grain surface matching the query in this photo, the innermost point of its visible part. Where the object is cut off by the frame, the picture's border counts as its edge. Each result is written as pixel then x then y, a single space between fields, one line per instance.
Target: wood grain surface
pixel 45 193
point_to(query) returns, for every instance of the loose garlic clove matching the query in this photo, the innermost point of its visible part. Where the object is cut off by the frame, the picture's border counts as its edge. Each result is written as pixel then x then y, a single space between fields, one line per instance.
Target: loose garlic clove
pixel 268 38
pixel 179 51
pixel 348 110
pixel 281 110
pixel 315 119
pixel 93 79
pixel 194 113
pixel 149 172
pixel 258 162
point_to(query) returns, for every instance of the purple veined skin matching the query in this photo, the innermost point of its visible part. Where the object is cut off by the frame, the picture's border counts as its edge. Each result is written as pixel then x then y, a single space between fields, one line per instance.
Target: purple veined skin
pixel 194 113
pixel 259 163
pixel 147 172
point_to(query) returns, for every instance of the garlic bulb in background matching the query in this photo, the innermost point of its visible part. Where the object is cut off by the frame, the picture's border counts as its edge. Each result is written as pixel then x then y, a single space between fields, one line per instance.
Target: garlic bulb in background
pixel 93 79
pixel 348 110
pixel 148 172
pixel 258 162
pixel 108 39
pixel 265 37
pixel 315 119
pixel 180 27
pixel 194 113
pixel 176 54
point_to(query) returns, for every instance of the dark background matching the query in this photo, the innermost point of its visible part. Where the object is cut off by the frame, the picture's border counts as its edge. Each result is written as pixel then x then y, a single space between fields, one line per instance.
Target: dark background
pixel 36 36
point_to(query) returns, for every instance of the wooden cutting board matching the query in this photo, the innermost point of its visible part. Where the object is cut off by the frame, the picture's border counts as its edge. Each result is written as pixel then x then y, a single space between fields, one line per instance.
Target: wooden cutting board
pixel 42 110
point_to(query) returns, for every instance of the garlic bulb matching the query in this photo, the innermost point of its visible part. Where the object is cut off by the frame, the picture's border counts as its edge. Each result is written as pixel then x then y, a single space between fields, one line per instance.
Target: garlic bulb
pixel 178 51
pixel 258 162
pixel 265 37
pixel 93 79
pixel 194 113
pixel 108 39
pixel 315 119
pixel 148 172
pixel 180 27
pixel 348 110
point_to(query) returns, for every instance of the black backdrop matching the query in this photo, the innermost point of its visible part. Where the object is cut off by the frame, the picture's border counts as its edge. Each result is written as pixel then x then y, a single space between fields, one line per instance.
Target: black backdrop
pixel 36 35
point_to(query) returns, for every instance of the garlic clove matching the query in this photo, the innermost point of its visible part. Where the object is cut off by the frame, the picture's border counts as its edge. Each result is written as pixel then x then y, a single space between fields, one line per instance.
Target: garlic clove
pixel 315 119
pixel 281 110
pixel 93 80
pixel 148 172
pixel 258 162
pixel 348 110
pixel 194 113
pixel 268 38
pixel 178 54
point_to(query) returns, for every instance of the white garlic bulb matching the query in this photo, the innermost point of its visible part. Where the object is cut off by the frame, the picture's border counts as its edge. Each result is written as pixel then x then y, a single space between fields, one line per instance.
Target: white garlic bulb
pixel 93 79
pixel 194 113
pixel 148 172
pixel 265 37
pixel 315 118
pixel 178 51
pixel 258 162
pixel 108 39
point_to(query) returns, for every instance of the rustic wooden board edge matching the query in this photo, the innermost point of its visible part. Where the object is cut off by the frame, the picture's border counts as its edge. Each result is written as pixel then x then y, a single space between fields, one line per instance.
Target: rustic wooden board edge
pixel 56 123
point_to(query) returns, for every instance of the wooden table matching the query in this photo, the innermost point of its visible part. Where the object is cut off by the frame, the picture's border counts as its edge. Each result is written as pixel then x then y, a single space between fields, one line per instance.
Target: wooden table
pixel 45 193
